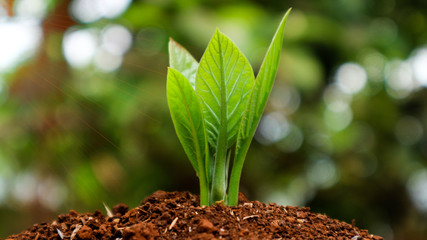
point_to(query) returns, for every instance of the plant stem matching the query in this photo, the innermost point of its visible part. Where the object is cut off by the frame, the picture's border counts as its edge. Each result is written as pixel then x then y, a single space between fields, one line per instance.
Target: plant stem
pixel 236 172
pixel 203 180
pixel 204 191
pixel 219 184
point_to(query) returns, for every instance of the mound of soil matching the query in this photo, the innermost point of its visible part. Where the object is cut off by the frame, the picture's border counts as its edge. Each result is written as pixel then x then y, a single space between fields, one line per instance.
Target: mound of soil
pixel 177 215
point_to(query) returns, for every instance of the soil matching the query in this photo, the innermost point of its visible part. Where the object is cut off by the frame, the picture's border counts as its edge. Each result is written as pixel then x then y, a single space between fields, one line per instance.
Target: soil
pixel 177 215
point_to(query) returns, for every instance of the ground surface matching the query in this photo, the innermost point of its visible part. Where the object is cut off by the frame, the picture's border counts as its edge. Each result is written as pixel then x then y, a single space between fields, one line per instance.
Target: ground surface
pixel 178 215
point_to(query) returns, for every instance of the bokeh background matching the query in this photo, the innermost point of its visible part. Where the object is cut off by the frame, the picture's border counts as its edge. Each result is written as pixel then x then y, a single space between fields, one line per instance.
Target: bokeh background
pixel 84 119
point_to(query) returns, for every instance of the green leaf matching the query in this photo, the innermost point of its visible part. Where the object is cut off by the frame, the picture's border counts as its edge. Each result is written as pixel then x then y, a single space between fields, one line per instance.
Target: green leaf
pixel 255 106
pixel 188 120
pixel 187 117
pixel 181 60
pixel 223 82
pixel 264 81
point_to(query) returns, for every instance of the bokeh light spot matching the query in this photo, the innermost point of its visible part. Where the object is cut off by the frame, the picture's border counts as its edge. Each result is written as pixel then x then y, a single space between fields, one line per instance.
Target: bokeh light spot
pixel 351 78
pixel 273 127
pixel 373 61
pixel 419 66
pixel 113 8
pixel 337 120
pixel 51 193
pixel 79 47
pixel 296 193
pixel 293 141
pixel 116 39
pixel 25 188
pixel 93 10
pixel 417 188
pixel 335 99
pixel 286 99
pixel 19 39
pixel 86 11
pixel 322 173
pixel 35 9
pixel 106 61
pixel 399 80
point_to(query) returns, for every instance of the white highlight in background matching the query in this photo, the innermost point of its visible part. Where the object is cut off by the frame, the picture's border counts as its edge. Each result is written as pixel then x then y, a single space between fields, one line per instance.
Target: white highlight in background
pixel 399 79
pixel 335 99
pixel 116 39
pixel 419 66
pixel 338 120
pixel 18 42
pixel 104 49
pixel 33 9
pixel 79 47
pixel 272 128
pixel 351 78
pixel 322 173
pixel 92 10
pixel 106 61
pixel 417 188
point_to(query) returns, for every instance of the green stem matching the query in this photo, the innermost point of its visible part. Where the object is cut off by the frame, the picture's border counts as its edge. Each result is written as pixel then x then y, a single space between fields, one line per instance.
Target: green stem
pixel 219 184
pixel 236 172
pixel 203 178
pixel 204 190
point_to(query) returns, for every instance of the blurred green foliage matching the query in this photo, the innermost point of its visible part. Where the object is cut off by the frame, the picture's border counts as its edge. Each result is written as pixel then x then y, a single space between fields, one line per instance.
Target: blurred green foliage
pixel 344 131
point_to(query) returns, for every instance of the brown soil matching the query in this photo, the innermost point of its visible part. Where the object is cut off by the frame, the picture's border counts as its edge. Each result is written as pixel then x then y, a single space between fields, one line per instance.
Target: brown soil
pixel 178 215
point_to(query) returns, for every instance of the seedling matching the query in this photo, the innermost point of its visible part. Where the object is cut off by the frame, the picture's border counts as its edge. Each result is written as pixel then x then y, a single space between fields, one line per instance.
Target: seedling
pixel 216 106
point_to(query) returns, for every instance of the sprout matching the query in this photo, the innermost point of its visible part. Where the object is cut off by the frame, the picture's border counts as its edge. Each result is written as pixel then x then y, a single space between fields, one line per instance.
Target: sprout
pixel 216 105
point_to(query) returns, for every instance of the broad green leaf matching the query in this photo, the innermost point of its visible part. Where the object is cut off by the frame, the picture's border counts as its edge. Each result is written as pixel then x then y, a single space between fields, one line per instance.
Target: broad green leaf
pixel 187 118
pixel 181 60
pixel 224 80
pixel 255 106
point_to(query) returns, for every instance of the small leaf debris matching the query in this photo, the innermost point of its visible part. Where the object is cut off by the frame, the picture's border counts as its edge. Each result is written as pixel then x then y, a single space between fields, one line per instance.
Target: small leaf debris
pixel 61 235
pixel 108 210
pixel 173 223
pixel 73 234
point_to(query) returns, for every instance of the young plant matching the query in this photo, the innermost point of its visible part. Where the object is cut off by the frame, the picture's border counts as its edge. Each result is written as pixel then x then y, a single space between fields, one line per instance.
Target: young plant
pixel 216 106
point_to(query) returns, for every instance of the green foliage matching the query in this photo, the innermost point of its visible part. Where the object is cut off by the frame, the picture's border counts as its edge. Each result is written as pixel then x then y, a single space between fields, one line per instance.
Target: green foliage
pixel 216 106
pixel 188 120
